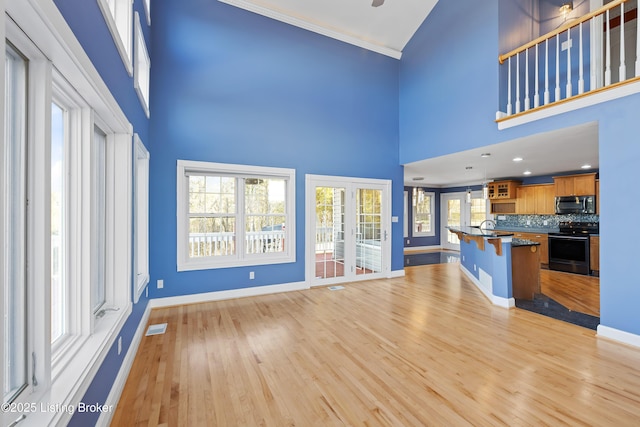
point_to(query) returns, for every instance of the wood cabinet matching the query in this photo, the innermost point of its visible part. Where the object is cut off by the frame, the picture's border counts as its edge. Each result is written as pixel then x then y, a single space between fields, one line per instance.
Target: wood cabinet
pixel 541 238
pixel 575 185
pixel 525 272
pixel 598 197
pixel 503 189
pixel 503 206
pixel 594 253
pixel 536 200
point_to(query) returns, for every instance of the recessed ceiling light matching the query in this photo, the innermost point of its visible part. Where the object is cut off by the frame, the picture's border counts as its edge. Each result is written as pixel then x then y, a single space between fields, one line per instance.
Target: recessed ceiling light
pixel 418 178
pixel 485 155
pixel 526 173
pixel 517 159
pixel 587 166
pixel 468 167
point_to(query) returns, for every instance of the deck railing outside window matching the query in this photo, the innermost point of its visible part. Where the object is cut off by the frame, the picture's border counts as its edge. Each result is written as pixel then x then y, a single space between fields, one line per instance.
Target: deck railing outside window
pixel 586 55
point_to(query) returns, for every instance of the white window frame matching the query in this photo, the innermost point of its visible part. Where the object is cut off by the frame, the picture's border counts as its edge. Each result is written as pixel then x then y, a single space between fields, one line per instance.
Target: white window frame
pixel 62 379
pixel 142 67
pixel 118 14
pixel 432 232
pixel 147 10
pixel 141 218
pixel 184 263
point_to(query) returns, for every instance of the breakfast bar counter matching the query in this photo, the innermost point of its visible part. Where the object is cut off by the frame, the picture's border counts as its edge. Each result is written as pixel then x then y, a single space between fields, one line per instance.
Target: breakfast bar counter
pixel 487 259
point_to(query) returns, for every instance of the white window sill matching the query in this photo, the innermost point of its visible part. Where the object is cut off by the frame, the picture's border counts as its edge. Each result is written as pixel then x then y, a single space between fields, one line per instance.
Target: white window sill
pixel 206 263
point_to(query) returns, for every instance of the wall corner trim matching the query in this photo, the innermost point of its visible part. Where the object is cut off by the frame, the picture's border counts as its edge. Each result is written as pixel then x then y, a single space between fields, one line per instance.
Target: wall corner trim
pixel 618 335
pixel 495 300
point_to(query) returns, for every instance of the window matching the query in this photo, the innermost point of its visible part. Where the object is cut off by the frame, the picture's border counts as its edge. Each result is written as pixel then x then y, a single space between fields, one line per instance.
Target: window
pixel 141 217
pixel 118 15
pixel 231 215
pixel 423 213
pixel 13 262
pixel 142 67
pixel 147 10
pixel 62 314
pixel 478 209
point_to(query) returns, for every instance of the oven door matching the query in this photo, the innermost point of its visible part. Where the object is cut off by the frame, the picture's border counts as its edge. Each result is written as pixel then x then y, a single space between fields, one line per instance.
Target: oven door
pixel 569 253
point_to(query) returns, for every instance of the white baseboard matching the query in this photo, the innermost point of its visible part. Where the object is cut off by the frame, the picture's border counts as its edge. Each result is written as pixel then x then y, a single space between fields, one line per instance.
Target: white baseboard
pixel 230 294
pixel 396 273
pixel 618 335
pixel 495 300
pixel 118 385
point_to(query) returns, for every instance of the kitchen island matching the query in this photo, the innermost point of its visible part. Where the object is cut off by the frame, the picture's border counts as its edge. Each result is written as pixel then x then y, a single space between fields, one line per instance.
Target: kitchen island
pixel 487 258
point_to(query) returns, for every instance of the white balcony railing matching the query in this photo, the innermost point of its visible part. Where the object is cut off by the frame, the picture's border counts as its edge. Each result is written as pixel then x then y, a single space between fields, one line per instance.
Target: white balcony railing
pixel 216 244
pixel 583 56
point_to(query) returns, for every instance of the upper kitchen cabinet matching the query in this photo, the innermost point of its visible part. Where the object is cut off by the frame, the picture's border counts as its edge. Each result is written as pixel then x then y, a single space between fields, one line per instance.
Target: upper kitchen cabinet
pixel 575 185
pixel 536 200
pixel 503 189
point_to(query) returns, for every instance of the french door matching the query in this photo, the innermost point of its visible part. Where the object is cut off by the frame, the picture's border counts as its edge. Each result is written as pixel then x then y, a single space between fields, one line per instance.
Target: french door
pixel 348 229
pixel 457 212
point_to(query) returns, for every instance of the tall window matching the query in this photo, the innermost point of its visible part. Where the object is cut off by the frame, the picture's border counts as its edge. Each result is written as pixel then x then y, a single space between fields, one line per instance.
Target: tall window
pixel 141 217
pixel 142 67
pixel 98 215
pixel 423 213
pixel 231 215
pixel 59 310
pixel 478 210
pixel 118 14
pixel 14 306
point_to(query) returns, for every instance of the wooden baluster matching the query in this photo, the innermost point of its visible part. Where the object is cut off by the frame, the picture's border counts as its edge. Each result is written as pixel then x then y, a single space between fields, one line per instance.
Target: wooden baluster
pixel 622 71
pixel 517 83
pixel 557 68
pixel 581 65
pixel 546 72
pixel 509 107
pixel 607 69
pixel 569 88
pixel 536 96
pixel 527 101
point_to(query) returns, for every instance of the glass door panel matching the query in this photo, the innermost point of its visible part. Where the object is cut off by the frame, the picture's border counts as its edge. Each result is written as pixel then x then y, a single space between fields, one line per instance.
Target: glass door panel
pixel 453 207
pixel 330 232
pixel 368 231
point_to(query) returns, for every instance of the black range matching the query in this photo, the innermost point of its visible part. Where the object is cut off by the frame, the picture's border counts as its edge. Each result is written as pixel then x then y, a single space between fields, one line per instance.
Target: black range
pixel 569 247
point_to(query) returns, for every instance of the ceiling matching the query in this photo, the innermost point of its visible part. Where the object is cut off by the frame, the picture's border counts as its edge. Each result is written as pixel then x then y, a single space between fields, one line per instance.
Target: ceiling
pixel 543 154
pixel 385 29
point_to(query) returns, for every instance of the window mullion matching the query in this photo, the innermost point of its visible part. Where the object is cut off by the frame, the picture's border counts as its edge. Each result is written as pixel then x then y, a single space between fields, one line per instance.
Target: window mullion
pixel 240 218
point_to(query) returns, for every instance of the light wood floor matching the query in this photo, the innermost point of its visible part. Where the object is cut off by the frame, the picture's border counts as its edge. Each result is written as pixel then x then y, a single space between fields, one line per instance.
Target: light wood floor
pixel 574 291
pixel 425 349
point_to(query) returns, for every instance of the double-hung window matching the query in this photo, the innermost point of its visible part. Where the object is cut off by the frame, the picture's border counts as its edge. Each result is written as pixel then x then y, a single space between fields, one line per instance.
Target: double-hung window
pixel 423 213
pixel 232 215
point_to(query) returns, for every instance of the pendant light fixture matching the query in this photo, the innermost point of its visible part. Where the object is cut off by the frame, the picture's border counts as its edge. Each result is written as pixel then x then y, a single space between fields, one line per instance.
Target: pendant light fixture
pixel 485 185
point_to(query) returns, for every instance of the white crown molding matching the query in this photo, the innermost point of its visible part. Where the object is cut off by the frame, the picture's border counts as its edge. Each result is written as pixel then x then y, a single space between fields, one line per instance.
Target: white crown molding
pixel 337 35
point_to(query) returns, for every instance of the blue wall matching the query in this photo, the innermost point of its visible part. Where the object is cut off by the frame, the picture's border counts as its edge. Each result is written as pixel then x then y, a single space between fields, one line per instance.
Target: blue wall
pixel 448 98
pixel 231 86
pixel 86 21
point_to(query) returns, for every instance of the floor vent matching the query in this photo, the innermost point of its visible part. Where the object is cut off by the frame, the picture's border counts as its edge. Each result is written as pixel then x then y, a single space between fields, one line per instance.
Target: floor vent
pixel 158 329
pixel 336 288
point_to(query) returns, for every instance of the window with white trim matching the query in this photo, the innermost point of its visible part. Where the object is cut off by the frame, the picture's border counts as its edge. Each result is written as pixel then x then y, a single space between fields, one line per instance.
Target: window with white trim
pixel 423 213
pixel 118 14
pixel 147 10
pixel 64 296
pixel 141 217
pixel 234 215
pixel 142 67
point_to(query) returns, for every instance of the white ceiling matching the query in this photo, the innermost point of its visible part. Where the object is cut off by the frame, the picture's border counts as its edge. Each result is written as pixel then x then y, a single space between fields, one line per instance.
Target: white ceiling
pixel 543 154
pixel 385 29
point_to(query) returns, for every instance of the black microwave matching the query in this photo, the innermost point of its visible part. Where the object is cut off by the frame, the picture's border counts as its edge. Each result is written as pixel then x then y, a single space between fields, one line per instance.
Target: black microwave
pixel 575 205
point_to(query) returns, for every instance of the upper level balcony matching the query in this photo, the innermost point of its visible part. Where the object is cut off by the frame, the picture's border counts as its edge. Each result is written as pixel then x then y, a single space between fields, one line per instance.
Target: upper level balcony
pixel 591 57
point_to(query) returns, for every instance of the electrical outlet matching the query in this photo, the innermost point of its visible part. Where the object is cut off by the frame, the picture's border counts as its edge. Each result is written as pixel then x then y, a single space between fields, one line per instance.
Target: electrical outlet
pixel 528 222
pixel 545 222
pixel 252 275
pixel 408 241
pixel 475 268
pixel 119 345
pixel 160 283
pixel 462 257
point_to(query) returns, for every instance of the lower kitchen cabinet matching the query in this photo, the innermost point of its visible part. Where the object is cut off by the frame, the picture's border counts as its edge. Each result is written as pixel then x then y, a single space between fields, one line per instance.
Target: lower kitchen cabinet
pixel 541 238
pixel 594 253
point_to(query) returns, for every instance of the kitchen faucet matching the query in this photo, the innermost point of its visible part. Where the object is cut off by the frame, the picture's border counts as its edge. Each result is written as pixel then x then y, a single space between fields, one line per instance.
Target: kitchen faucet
pixel 488 221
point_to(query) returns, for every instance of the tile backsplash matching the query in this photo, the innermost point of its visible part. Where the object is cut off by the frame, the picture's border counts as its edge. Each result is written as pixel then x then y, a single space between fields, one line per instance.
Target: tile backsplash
pixel 538 221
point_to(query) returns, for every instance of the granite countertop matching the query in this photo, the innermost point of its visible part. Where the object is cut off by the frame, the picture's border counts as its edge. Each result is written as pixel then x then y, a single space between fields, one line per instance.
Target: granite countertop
pixel 482 232
pixel 515 242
